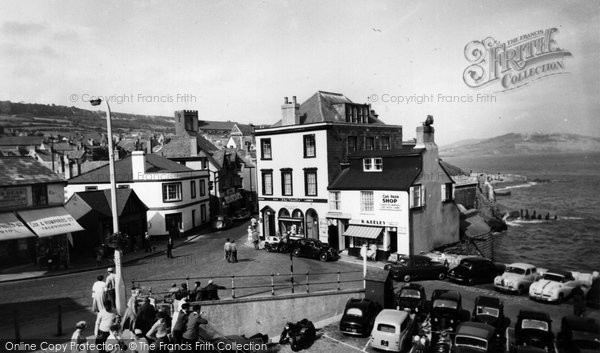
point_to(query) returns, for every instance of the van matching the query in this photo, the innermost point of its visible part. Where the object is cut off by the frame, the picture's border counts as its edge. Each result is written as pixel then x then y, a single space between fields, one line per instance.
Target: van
pixel 391 330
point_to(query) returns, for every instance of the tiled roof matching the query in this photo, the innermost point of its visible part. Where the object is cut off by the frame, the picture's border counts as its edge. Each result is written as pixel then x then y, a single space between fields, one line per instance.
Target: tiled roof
pixel 90 165
pixel 76 154
pixel 45 156
pixel 21 140
pixel 180 147
pixel 123 172
pixel 63 146
pixel 99 200
pixel 246 130
pixel 452 170
pixel 215 125
pixel 25 170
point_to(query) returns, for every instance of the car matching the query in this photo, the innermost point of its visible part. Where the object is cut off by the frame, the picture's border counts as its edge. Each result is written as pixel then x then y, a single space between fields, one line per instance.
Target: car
pixel 532 329
pixel 412 298
pixel 359 316
pixel 241 215
pixel 446 310
pixel 578 335
pixel 416 267
pixel 220 222
pixel 593 296
pixel 475 337
pixel 392 330
pixel 313 248
pixel 490 310
pixel 555 286
pixel 276 244
pixel 474 270
pixel 517 278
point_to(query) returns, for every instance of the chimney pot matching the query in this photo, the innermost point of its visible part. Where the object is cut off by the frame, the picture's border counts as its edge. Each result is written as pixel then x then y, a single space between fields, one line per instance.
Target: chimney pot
pixel 294 99
pixel 285 100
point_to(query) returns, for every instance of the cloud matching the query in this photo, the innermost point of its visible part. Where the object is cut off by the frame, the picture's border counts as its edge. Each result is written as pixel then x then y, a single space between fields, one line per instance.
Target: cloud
pixel 12 28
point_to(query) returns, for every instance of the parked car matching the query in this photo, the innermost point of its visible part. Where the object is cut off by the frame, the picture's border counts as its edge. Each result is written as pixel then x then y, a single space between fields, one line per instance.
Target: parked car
pixel 517 278
pixel 241 215
pixel 275 244
pixel 446 310
pixel 220 222
pixel 490 310
pixel 359 316
pixel 412 298
pixel 555 286
pixel 532 329
pixel 579 335
pixel 313 248
pixel 475 337
pixel 392 330
pixel 416 267
pixel 593 296
pixel 473 270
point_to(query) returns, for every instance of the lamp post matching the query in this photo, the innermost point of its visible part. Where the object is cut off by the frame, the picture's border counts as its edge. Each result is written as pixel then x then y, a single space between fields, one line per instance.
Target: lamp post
pixel 119 283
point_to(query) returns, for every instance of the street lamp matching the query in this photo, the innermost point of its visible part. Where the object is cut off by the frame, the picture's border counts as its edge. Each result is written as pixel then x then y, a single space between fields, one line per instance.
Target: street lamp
pixel 120 300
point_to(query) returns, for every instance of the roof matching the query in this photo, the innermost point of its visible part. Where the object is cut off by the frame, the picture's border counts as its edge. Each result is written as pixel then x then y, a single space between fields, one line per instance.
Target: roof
pixel 25 170
pixel 391 316
pixel 99 200
pixel 180 146
pixel 91 165
pixel 21 140
pixel 475 329
pixel 521 265
pixel 535 315
pixel 358 303
pixel 446 294
pixel 399 172
pixel 124 173
pixel 245 129
pixel 560 272
pixel 74 154
pixel 474 226
pixel 452 170
pixel 45 155
pixel 63 146
pixel 215 125
pixel 483 300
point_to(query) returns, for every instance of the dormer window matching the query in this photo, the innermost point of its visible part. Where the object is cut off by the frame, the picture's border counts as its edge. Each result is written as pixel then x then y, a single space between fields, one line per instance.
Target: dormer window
pixel 372 164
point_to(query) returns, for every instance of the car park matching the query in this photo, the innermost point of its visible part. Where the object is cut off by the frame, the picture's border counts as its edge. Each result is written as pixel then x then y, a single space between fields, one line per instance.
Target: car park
pixel 490 310
pixel 556 286
pixel 412 298
pixel 416 267
pixel 474 270
pixel 517 278
pixel 313 248
pixel 532 329
pixel 474 337
pixel 359 316
pixel 579 335
pixel 392 330
pixel 446 310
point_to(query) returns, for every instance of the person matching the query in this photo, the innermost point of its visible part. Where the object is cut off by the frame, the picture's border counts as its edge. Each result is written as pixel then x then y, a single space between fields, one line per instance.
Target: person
pixel 98 290
pixel 253 223
pixel 104 320
pixel 180 324
pixel 194 293
pixel 147 243
pixel 111 285
pixel 192 327
pixel 141 344
pixel 78 338
pixel 99 256
pixel 131 311
pixel 227 249
pixel 184 292
pixel 212 290
pixel 114 343
pixel 146 316
pixel 233 248
pixel 158 333
pixel 255 239
pixel 578 301
pixel 170 247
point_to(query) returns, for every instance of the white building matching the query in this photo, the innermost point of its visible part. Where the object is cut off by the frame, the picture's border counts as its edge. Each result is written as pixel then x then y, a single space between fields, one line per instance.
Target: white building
pixel 177 196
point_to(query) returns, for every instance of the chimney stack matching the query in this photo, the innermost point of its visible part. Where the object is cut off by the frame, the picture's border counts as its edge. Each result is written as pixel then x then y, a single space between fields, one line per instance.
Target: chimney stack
pixel 138 164
pixel 290 112
pixel 425 134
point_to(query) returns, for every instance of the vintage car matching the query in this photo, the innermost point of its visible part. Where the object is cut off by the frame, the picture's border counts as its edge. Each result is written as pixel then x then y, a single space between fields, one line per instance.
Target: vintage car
pixel 490 310
pixel 533 329
pixel 579 335
pixel 412 298
pixel 241 215
pixel 313 248
pixel 446 310
pixel 475 337
pixel 220 222
pixel 392 330
pixel 359 316
pixel 473 270
pixel 276 244
pixel 516 278
pixel 555 286
pixel 416 267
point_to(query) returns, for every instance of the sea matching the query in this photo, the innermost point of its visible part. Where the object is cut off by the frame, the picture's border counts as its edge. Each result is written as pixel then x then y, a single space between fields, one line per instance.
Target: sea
pixel 568 186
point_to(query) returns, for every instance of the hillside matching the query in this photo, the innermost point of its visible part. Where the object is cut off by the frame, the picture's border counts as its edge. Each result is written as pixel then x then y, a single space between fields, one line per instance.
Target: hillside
pixel 518 144
pixel 59 118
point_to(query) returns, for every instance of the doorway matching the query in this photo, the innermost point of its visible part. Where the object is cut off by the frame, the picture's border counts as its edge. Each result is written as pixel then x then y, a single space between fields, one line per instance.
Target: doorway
pixel 312 224
pixel 333 237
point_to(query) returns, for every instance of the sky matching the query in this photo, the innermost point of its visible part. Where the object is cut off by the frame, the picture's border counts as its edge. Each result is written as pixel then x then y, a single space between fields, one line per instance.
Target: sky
pixel 236 60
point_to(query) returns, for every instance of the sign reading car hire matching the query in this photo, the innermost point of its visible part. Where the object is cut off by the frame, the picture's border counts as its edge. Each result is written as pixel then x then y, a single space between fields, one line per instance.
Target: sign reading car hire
pixel 389 202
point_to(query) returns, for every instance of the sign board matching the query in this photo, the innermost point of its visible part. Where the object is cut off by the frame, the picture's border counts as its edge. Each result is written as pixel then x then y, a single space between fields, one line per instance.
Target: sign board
pixel 389 201
pixel 12 197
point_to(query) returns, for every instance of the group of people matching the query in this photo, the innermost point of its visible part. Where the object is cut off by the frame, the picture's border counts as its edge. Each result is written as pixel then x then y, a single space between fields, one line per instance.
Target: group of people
pixel 230 249
pixel 198 293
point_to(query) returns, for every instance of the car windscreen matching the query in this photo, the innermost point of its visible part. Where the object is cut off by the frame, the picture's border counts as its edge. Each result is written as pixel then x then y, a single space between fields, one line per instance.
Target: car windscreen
pixel 386 328
pixel 516 270
pixel 534 324
pixel 354 312
pixel 483 310
pixel 410 293
pixel 443 303
pixel 466 264
pixel 554 277
pixel 469 341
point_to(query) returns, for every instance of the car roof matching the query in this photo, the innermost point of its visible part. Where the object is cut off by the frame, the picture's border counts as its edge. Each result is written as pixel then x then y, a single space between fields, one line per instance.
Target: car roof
pixel 560 272
pixel 581 324
pixel 358 303
pixel 521 265
pixel 534 315
pixel 445 294
pixel 475 329
pixel 392 315
pixel 483 300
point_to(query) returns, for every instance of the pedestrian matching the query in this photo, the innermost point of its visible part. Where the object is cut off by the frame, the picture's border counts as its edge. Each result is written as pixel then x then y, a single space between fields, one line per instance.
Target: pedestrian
pixel 141 344
pixel 192 327
pixel 131 311
pixel 104 320
pixel 578 301
pixel 111 279
pixel 255 238
pixel 114 343
pixel 99 256
pixel 184 292
pixel 146 316
pixel 194 293
pixel 227 249
pixel 158 333
pixel 147 243
pixel 170 247
pixel 212 290
pixel 78 339
pixel 98 290
pixel 234 258
pixel 253 223
pixel 180 324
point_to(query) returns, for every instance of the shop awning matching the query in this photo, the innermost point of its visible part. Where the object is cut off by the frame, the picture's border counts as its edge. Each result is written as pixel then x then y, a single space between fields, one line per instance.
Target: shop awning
pixel 12 228
pixel 363 232
pixel 51 221
pixel 290 219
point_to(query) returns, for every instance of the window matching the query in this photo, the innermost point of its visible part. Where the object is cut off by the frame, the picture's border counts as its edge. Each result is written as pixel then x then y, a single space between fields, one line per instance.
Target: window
pixel 352 142
pixel 193 188
pixel 267 182
pixel 416 197
pixel 366 201
pixel 203 213
pixel 39 194
pixel 309 146
pixel 372 164
pixel 385 142
pixel 334 200
pixel 286 182
pixel 310 182
pixel 91 188
pixel 447 192
pixel 369 143
pixel 202 187
pixel 171 192
pixel 265 149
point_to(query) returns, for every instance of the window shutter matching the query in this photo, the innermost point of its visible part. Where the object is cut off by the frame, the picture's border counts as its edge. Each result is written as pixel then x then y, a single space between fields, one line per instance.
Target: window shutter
pixel 443 192
pixel 411 197
pixel 423 196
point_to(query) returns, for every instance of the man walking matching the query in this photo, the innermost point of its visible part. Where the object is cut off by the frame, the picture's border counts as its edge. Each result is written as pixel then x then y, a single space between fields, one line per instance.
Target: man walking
pixel 227 249
pixel 233 248
pixel 98 290
pixel 147 243
pixel 170 247
pixel 110 285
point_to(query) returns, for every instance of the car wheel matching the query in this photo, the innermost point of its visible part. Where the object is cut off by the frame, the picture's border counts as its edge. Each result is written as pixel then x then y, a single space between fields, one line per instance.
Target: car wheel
pixel 561 298
pixel 296 252
pixel 521 290
pixel 323 257
pixel 295 345
pixel 268 248
pixel 406 278
pixel 441 276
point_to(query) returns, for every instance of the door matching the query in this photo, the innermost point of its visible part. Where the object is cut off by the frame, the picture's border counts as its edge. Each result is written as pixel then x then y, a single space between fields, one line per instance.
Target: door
pixel 332 237
pixel 312 224
pixel 393 242
pixel 172 223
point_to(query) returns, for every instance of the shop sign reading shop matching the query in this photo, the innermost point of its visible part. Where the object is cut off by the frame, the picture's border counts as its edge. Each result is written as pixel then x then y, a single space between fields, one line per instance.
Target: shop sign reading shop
pixel 389 202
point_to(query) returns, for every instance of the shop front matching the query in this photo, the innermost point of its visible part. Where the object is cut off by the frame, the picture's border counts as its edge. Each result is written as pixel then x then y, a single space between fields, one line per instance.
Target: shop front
pixel 17 242
pixel 291 224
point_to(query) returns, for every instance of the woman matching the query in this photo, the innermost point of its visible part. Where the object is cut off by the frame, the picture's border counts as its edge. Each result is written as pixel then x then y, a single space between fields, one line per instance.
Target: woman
pixel 131 312
pixel 159 333
pixel 104 321
pixel 78 338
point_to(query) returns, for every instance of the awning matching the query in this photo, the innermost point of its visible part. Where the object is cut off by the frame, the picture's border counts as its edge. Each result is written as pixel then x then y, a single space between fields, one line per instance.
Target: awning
pixel 363 232
pixel 290 219
pixel 12 228
pixel 51 221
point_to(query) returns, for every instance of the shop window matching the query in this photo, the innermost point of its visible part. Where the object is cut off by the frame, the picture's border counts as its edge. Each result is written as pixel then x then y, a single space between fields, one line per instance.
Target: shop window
pixel 286 182
pixel 310 182
pixel 447 192
pixel 416 197
pixel 366 201
pixel 335 200
pixel 193 188
pixel 39 194
pixel 265 149
pixel 372 164
pixel 172 192
pixel 267 182
pixel 310 149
